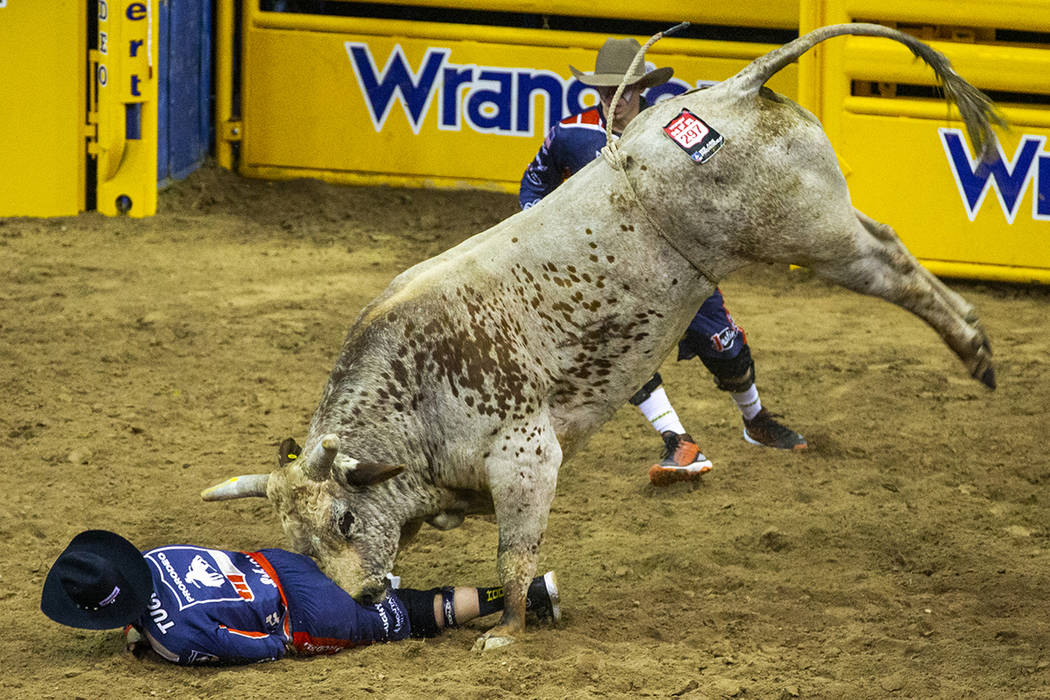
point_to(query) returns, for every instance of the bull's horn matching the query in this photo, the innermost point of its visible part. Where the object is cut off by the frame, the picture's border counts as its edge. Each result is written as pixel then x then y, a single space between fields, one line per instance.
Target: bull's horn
pixel 245 486
pixel 318 465
pixel 354 473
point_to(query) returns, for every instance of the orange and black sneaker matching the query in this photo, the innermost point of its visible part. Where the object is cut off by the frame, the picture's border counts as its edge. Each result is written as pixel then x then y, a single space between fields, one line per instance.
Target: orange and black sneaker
pixel 764 431
pixel 683 460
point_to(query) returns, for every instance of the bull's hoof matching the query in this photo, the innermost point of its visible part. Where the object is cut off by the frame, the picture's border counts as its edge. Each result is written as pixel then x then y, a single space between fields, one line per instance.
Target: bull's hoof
pixel 487 643
pixel 988 378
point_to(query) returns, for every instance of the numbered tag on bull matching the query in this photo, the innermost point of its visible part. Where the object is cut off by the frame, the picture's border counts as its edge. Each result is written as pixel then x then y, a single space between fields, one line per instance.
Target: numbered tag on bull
pixel 694 136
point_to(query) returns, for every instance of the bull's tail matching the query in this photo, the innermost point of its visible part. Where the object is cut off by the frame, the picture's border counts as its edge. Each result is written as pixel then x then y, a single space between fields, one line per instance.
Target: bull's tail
pixel 976 108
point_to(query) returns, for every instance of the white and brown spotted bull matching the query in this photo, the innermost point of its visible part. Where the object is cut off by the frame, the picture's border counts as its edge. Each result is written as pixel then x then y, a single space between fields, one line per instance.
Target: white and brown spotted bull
pixel 464 385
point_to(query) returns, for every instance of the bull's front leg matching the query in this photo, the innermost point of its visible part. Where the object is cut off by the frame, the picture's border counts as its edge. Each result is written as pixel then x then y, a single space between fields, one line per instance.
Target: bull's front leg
pixel 522 480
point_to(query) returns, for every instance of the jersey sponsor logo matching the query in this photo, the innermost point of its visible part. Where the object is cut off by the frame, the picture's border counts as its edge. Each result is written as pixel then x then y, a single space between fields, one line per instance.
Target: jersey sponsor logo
pixel 264 578
pixel 309 645
pixel 1009 178
pixel 485 99
pixel 201 573
pixel 399 619
pixel 240 585
pixel 182 592
pixel 694 136
pixel 210 576
pixel 724 339
pixel 233 574
pixel 383 617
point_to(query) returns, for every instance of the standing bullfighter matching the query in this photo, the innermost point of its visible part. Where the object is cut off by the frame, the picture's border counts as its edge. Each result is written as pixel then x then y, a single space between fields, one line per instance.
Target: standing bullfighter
pixel 712 335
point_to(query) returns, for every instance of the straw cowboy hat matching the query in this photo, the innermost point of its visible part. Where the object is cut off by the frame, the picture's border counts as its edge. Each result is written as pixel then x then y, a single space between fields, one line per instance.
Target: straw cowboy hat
pixel 614 60
pixel 100 581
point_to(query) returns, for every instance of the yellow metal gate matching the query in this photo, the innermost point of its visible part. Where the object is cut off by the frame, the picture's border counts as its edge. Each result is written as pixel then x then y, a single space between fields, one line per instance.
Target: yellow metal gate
pixel 367 100
pixel 907 158
pixel 43 51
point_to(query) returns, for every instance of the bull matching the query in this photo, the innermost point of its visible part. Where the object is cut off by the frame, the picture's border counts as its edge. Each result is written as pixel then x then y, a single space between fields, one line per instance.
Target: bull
pixel 464 385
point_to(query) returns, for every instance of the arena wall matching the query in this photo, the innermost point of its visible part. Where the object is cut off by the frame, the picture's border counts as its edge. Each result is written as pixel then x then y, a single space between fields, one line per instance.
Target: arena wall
pixel 379 100
pixel 390 101
pixel 102 101
pixel 458 93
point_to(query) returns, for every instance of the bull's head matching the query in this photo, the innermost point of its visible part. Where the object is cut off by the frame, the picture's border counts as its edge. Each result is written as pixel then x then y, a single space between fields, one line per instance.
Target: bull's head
pixel 331 510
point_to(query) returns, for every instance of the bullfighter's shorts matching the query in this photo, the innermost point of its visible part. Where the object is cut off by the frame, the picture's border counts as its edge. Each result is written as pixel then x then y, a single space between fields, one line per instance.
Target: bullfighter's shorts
pixel 712 334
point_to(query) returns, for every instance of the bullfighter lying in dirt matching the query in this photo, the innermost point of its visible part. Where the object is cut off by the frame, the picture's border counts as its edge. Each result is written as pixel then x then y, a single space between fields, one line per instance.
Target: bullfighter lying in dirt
pixel 195 605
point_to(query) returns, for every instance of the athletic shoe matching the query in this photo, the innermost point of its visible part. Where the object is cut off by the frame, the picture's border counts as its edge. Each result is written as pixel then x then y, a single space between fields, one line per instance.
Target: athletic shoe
pixel 763 431
pixel 542 598
pixel 683 460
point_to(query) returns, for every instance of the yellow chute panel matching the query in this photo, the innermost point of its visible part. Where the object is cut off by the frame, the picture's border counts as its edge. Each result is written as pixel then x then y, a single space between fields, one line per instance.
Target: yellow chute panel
pixel 753 13
pixel 908 160
pixel 43 51
pixel 399 102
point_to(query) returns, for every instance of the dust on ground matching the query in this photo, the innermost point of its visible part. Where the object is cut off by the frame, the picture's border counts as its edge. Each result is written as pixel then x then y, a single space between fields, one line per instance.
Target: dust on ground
pixel 905 554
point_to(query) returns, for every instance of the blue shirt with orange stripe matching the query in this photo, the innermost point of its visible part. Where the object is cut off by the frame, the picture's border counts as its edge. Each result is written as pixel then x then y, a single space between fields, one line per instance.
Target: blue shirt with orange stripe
pixel 571 144
pixel 211 605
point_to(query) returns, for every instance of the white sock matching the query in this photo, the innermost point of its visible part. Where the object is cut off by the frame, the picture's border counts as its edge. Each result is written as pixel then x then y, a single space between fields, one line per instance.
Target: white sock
pixel 748 402
pixel 658 410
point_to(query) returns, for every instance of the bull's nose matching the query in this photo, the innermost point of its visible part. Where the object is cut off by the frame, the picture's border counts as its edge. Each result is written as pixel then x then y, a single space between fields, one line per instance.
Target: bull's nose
pixel 372 593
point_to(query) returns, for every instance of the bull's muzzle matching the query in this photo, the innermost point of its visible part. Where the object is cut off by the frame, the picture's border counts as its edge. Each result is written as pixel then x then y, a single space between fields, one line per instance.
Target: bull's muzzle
pixel 350 575
pixel 373 592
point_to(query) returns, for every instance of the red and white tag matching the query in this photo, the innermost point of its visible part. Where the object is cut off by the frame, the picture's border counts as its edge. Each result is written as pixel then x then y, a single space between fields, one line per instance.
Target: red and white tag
pixel 694 136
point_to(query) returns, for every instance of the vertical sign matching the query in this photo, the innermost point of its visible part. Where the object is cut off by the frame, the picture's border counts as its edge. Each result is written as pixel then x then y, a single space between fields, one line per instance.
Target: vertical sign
pixel 127 105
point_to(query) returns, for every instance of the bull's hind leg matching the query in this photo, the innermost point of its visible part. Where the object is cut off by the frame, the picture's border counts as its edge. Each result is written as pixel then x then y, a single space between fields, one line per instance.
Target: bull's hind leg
pixel 881 266
pixel 888 236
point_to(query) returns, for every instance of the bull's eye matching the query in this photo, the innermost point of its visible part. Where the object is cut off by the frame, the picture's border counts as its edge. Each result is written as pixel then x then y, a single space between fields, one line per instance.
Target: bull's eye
pixel 346 522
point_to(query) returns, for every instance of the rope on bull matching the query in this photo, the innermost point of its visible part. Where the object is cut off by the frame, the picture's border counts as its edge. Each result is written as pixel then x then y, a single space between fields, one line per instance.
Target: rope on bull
pixel 610 151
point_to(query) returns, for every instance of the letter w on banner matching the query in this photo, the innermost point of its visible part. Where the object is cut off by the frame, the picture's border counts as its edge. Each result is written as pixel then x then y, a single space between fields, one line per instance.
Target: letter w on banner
pixel 1009 178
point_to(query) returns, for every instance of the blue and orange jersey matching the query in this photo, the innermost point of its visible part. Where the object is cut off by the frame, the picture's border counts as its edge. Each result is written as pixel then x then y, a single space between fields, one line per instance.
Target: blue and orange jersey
pixel 570 144
pixel 211 605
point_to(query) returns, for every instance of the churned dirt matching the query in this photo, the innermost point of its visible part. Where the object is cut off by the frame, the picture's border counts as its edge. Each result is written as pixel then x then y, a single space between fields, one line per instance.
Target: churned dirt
pixel 905 554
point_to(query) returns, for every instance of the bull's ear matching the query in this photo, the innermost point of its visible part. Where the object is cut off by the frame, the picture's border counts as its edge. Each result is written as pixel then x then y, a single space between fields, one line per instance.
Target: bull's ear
pixel 289 451
pixel 350 472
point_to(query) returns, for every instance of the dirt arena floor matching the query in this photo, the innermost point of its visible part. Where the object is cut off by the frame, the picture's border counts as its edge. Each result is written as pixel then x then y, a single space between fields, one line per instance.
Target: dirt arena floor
pixel 905 554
